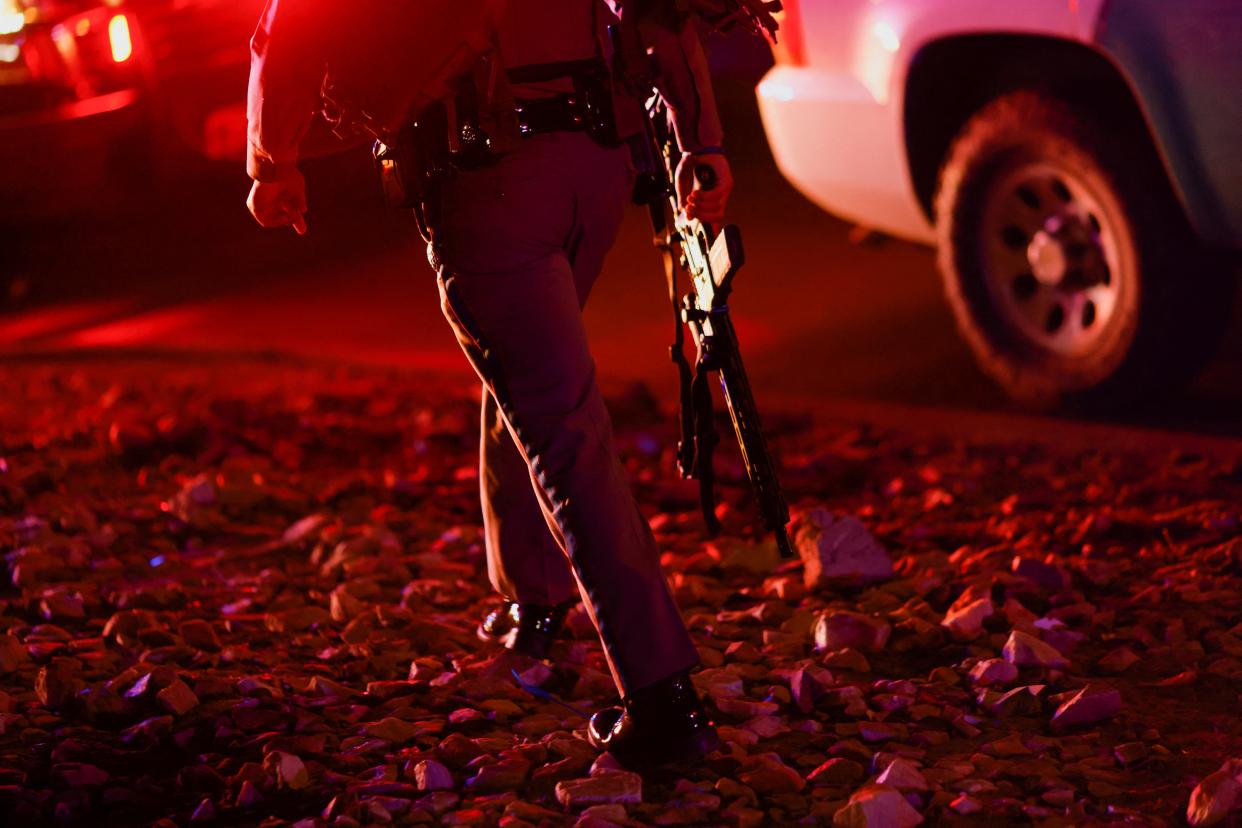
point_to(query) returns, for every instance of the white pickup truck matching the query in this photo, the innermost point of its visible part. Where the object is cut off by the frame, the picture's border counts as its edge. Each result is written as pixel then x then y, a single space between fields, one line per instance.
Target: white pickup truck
pixel 1078 163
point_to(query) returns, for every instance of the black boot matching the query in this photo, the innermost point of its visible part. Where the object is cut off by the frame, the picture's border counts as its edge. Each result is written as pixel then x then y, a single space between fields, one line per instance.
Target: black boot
pixel 664 723
pixel 529 629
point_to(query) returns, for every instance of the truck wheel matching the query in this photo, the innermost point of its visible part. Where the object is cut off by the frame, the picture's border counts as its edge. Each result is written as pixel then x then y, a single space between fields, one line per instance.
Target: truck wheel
pixel 1067 261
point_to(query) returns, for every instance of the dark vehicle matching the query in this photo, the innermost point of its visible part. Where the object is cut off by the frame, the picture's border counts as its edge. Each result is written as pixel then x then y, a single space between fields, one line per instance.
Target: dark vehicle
pixel 99 98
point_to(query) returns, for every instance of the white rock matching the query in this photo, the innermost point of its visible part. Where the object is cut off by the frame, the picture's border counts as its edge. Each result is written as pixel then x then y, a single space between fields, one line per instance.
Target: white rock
pixel 877 806
pixel 993 671
pixel 965 623
pixel 1023 649
pixel 291 772
pixel 902 775
pixel 1218 794
pixel 839 547
pixel 430 775
pixel 614 787
pixel 838 629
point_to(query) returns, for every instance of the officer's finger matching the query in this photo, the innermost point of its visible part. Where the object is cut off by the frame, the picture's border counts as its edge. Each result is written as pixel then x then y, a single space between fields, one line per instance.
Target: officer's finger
pixel 299 224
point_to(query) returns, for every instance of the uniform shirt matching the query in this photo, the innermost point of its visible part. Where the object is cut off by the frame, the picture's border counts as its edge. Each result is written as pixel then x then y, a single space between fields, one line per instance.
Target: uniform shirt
pixel 287 68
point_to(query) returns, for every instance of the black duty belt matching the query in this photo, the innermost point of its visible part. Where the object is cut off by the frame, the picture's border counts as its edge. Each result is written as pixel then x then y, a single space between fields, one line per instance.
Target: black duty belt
pixel 559 113
pixel 587 109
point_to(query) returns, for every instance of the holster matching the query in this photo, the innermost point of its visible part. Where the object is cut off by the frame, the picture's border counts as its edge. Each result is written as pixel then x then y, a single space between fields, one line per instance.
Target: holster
pixel 470 128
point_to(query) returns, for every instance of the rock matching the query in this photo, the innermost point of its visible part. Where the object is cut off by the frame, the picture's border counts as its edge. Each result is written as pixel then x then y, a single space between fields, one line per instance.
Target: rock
pixel 731 789
pixel 201 635
pixel 205 812
pixel 1216 796
pixel 740 816
pixel 882 731
pixel 177 698
pixel 148 732
pixel 60 604
pixel 993 671
pixel 290 771
pixel 766 727
pixel 1129 754
pixel 768 774
pixel 1045 576
pixel 304 528
pixel 12 654
pixel 128 623
pixel 536 675
pixel 966 805
pixel 392 730
pixel 743 652
pixel 1118 661
pixel 613 787
pixel 430 775
pixel 505 775
pixel 603 816
pixel 327 688
pixel 500 710
pixel 57 683
pixel 837 772
pixel 965 623
pixel 343 606
pixel 902 775
pixel 743 707
pixel 835 549
pixel 537 814
pixel 78 775
pixel 877 806
pixel 1011 745
pixel 1089 705
pixel 150 683
pixel 840 629
pixel 720 683
pixel 248 795
pixel 1020 701
pixel 1025 650
pixel 849 659
pixel 754 558
pixel 298 620
pixel 604 763
pixel 802 688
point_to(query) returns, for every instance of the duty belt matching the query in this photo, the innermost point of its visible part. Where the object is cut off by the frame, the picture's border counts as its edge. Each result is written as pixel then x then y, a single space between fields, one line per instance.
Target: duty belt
pixel 589 108
pixel 560 113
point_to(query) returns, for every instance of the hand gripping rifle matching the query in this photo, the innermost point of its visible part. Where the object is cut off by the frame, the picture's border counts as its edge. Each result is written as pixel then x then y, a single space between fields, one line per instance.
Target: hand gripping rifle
pixel 710 261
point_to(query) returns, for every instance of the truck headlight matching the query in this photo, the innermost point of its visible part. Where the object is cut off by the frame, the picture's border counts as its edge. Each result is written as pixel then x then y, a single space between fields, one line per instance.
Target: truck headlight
pixel 12 17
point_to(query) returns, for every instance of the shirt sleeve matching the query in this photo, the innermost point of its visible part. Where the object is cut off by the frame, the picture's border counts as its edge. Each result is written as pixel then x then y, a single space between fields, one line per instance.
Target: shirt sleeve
pixel 287 68
pixel 682 75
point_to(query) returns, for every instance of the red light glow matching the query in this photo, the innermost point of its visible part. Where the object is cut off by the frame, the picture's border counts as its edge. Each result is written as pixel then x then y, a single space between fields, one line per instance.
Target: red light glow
pixel 119 37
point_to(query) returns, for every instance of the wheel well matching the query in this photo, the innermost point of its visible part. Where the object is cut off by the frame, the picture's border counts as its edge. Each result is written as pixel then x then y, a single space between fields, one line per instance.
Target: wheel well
pixel 951 79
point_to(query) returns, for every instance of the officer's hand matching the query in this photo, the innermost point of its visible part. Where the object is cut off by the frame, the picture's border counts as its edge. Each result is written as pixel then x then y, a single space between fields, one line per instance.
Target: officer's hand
pixel 706 205
pixel 280 202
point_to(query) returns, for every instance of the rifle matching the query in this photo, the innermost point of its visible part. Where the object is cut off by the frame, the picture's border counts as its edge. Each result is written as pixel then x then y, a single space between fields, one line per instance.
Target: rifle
pixel 710 261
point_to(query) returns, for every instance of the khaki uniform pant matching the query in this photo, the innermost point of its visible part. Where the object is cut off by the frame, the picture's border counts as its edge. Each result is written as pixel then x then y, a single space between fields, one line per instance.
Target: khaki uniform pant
pixel 518 246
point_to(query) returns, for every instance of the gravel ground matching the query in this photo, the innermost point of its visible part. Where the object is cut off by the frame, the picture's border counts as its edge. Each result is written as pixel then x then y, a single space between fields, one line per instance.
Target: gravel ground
pixel 245 593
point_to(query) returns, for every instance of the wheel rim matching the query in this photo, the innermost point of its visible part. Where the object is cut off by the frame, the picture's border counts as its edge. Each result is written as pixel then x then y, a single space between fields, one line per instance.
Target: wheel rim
pixel 1050 258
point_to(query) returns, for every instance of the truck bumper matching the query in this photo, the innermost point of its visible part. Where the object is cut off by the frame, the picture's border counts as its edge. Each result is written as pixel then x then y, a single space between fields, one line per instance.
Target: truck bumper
pixel 64 160
pixel 842 148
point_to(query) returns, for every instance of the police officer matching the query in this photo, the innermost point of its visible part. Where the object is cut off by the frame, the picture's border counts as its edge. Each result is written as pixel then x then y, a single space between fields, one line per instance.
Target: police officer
pixel 517 245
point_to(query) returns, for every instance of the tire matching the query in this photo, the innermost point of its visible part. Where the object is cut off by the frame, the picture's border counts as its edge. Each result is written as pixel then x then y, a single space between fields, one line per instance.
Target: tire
pixel 1067 261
